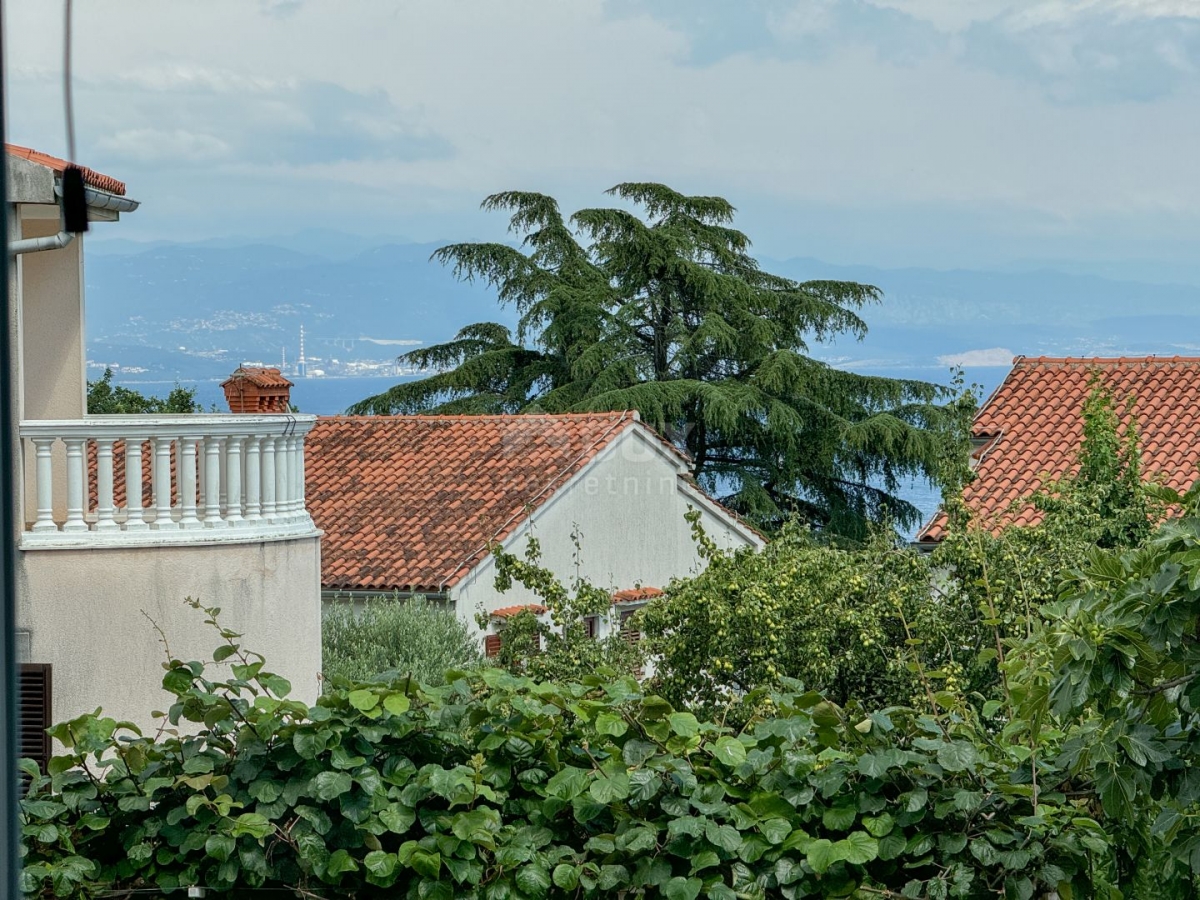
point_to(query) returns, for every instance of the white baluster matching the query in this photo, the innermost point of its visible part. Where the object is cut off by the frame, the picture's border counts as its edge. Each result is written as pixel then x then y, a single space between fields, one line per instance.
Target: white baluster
pixel 135 516
pixel 45 485
pixel 301 490
pixel 162 485
pixel 268 478
pixel 233 478
pixel 282 507
pixel 76 484
pixel 187 482
pixel 253 480
pixel 212 483
pixel 104 486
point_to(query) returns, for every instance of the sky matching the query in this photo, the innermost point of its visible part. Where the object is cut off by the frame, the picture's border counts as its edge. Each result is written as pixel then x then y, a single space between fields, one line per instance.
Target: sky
pixel 946 133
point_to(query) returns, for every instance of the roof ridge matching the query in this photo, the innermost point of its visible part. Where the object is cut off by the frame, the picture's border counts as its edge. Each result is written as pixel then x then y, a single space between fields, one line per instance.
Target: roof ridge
pixel 1028 361
pixel 58 164
pixel 486 417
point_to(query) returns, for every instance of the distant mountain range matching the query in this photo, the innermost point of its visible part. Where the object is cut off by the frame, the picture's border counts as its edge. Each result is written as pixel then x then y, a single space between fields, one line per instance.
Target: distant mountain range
pixel 195 310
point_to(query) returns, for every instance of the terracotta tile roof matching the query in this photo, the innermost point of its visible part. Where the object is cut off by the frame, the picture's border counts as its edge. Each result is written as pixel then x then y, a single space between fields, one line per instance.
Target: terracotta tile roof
pixel 1031 428
pixel 507 612
pixel 259 377
pixel 90 176
pixel 636 595
pixel 412 502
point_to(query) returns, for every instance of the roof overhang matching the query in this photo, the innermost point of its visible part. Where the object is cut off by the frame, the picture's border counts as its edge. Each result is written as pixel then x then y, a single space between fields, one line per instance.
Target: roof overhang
pixel 30 183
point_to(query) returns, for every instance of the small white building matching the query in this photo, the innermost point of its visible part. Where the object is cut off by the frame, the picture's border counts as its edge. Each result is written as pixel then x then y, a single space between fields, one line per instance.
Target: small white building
pixel 412 504
pixel 123 517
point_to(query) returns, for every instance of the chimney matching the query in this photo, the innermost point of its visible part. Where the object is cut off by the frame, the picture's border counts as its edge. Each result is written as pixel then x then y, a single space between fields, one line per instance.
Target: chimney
pixel 257 390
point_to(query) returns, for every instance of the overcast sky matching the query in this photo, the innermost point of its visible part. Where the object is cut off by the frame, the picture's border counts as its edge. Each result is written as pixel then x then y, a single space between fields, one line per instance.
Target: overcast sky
pixel 924 132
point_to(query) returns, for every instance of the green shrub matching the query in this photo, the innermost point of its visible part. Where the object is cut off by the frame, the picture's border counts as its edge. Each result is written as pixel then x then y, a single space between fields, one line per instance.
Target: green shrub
pixel 503 788
pixel 413 637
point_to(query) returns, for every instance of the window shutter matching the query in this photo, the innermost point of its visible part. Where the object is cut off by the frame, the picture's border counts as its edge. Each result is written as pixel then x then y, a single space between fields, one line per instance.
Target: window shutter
pixel 34 703
pixel 491 646
pixel 627 630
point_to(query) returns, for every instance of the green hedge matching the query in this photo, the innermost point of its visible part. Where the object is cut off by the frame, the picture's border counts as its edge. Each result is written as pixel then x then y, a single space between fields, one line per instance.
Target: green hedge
pixel 499 787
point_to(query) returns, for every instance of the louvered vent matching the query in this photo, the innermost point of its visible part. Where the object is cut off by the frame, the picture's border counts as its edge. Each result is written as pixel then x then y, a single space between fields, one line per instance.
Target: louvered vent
pixel 34 703
pixel 491 645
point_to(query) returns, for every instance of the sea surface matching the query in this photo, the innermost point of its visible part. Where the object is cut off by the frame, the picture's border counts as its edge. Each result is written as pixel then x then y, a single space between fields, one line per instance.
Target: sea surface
pixel 331 396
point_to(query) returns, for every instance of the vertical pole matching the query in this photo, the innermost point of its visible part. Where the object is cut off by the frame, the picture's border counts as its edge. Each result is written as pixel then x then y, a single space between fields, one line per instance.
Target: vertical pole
pixel 10 413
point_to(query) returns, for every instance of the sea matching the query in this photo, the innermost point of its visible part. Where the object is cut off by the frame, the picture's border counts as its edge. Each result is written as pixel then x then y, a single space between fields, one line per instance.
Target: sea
pixel 330 396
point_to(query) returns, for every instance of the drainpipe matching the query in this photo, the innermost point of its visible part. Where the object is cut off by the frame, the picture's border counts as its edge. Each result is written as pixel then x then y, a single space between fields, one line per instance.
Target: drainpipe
pixel 37 244
pixel 95 200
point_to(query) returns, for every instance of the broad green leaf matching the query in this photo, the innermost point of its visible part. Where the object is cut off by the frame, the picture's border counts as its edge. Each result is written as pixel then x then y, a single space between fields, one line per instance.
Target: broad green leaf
pixel 859 848
pixel 957 756
pixel 730 751
pixel 397 704
pixel 839 818
pixel 380 863
pixel 331 785
pixel 609 788
pixel 340 861
pixel 363 699
pixel 425 863
pixel 724 836
pixel 821 855
pixel 568 783
pixel 878 826
pixel 684 724
pixel 566 877
pixel 682 888
pixel 611 723
pixel 533 880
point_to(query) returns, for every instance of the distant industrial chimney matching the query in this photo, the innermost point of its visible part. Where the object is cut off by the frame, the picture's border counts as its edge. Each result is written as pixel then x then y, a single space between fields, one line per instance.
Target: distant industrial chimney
pixel 302 365
pixel 256 390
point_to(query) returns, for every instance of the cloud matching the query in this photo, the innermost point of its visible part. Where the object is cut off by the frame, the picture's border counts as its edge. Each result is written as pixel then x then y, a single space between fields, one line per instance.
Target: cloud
pixel 786 29
pixel 990 358
pixel 1093 51
pixel 194 114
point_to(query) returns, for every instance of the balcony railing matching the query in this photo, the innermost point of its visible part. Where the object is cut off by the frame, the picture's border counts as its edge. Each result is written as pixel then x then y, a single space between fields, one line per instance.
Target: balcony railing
pixel 140 480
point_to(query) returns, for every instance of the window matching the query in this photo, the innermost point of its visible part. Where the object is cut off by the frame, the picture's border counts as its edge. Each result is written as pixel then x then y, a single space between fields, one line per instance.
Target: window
pixel 34 704
pixel 591 626
pixel 491 646
pixel 627 631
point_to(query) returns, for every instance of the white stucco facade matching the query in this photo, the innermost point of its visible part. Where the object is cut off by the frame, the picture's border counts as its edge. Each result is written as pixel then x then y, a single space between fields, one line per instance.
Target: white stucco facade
pixel 628 509
pixel 92 590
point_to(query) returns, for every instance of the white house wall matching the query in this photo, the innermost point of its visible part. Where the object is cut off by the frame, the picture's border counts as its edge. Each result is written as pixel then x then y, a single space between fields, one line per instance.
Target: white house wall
pixel 83 613
pixel 628 507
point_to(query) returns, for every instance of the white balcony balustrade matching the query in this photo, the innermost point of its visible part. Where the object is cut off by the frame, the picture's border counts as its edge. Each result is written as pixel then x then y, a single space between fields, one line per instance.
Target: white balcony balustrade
pixel 144 480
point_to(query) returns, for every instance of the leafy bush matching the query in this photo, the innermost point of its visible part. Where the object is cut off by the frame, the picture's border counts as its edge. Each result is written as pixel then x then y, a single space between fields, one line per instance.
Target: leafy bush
pixel 496 787
pixel 412 637
pixel 565 651
pixel 105 398
pixel 835 619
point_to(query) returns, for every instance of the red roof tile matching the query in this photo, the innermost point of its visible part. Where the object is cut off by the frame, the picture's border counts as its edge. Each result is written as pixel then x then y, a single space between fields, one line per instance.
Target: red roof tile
pixel 507 612
pixel 1035 424
pixel 635 595
pixel 259 377
pixel 90 176
pixel 413 502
